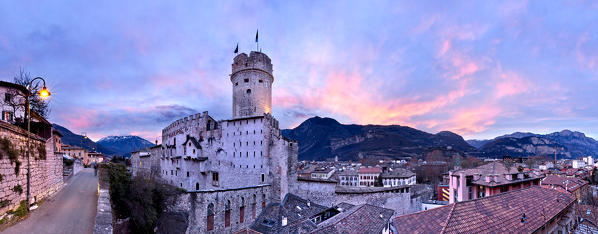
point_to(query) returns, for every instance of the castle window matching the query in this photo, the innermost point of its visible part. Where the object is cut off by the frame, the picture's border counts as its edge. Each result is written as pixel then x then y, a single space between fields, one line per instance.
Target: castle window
pixel 227 214
pixel 236 83
pixel 263 178
pixel 246 80
pixel 210 221
pixel 247 154
pixel 246 132
pixel 263 196
pixel 261 81
pixel 253 142
pixel 242 210
pixel 249 91
pixel 196 186
pixel 187 174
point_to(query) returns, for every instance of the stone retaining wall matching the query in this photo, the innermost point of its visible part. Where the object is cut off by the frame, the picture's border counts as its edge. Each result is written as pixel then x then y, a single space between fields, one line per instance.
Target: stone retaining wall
pixel 103 221
pixel 46 172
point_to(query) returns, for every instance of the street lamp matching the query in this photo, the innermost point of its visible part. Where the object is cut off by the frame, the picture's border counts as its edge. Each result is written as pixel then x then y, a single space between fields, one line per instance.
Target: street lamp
pixel 44 93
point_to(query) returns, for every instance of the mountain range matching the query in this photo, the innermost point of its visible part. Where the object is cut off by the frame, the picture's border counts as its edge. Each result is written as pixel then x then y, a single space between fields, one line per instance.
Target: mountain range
pixel 112 145
pixel 325 138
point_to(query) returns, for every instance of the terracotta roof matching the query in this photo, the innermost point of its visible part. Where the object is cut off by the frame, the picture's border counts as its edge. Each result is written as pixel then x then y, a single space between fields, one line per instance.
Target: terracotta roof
pixel 369 170
pixel 359 219
pixel 500 213
pixel 497 171
pixel 294 208
pixel 571 184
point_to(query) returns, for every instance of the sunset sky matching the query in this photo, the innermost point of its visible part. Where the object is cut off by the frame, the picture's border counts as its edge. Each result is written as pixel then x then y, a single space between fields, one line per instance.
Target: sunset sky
pixel 477 68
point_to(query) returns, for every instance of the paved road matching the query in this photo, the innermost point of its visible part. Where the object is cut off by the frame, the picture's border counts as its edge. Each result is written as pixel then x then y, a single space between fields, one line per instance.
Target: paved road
pixel 72 210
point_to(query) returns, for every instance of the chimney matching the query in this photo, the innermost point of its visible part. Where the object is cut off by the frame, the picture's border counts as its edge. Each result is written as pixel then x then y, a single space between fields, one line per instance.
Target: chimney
pixel 284 221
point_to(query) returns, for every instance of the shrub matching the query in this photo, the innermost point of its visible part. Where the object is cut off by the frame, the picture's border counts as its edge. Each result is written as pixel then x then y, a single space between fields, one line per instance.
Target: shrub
pixel 17 189
pixel 141 199
pixel 41 151
pixel 4 203
pixel 22 210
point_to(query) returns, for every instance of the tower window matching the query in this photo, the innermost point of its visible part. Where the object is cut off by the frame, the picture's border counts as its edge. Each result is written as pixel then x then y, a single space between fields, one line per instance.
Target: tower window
pixel 249 91
pixel 261 81
pixel 236 83
pixel 246 80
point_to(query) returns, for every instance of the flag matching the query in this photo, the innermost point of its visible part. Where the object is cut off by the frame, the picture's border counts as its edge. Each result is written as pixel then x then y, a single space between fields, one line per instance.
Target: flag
pixel 237 49
pixel 256 33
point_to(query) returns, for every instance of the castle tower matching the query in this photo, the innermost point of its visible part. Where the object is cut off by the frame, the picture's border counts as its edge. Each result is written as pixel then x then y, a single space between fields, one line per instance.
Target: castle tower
pixel 252 80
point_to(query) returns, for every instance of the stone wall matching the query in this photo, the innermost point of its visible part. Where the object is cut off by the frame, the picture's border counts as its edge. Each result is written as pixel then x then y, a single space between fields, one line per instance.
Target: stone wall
pixel 103 220
pixel 46 171
pixel 324 193
pixel 195 207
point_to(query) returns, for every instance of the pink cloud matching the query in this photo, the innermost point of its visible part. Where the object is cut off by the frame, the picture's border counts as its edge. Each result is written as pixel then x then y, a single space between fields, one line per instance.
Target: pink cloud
pixel 511 84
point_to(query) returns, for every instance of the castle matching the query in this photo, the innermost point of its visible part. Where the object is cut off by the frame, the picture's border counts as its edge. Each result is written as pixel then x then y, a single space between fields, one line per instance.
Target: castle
pixel 230 168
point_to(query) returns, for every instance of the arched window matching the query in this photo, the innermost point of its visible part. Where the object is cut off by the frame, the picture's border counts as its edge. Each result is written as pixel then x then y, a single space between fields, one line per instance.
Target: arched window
pixel 227 214
pixel 248 91
pixel 210 217
pixel 242 210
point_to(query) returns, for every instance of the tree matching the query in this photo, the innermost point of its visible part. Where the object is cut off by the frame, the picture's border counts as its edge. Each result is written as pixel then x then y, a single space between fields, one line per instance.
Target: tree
pixel 16 99
pixel 38 105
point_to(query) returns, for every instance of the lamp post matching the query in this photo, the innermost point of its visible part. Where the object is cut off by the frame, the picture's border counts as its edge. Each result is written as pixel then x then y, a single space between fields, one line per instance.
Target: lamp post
pixel 44 93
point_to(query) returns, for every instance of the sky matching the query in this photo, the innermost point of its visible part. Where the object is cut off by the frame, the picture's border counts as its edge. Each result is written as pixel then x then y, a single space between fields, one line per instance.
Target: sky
pixel 476 68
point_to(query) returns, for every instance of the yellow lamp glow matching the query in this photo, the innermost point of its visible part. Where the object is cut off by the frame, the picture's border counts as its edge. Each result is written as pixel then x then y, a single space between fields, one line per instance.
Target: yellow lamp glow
pixel 44 92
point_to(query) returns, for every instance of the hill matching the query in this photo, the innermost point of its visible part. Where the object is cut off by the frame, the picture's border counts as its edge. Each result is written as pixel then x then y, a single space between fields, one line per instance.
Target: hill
pixel 324 138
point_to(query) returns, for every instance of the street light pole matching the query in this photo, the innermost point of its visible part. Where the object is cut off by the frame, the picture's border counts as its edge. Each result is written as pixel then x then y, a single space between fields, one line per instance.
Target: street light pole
pixel 43 93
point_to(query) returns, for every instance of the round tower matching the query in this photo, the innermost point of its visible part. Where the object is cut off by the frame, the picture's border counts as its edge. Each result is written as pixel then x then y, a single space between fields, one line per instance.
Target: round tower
pixel 252 80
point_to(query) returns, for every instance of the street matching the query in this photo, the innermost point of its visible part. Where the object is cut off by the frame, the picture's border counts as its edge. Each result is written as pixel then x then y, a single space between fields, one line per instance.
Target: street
pixel 72 210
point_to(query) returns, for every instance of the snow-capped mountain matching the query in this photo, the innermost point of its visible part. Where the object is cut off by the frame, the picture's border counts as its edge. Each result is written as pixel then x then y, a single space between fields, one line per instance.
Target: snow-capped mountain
pixel 124 145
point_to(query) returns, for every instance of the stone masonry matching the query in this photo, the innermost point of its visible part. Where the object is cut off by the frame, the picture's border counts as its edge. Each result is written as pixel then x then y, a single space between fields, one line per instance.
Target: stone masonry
pixel 46 174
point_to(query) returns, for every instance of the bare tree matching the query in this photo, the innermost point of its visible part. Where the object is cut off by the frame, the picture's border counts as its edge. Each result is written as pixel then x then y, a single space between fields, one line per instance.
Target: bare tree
pixel 17 100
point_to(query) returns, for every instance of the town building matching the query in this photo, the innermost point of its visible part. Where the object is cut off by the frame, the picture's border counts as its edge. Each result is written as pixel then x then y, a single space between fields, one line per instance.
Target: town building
pixel 322 173
pixel 571 185
pixel 529 210
pixel 76 152
pixel 13 102
pixel 489 179
pixel 588 160
pixel 397 177
pixel 368 176
pixel 229 165
pixel 348 177
pixel 95 157
pixel 578 164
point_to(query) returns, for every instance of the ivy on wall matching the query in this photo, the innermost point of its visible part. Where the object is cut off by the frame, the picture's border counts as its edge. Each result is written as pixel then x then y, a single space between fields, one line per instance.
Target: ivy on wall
pixel 7 148
pixel 41 151
pixel 18 189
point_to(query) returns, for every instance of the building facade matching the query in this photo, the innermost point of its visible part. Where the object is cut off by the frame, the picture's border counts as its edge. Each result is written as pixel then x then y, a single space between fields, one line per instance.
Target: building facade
pixel 368 176
pixel 398 177
pixel 487 180
pixel 229 166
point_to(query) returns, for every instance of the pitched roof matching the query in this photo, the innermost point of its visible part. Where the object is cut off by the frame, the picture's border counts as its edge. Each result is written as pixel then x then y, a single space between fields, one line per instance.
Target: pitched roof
pixel 500 213
pixel 193 140
pixel 497 172
pixel 571 184
pixel 398 173
pixel 358 219
pixel 297 211
pixel 364 170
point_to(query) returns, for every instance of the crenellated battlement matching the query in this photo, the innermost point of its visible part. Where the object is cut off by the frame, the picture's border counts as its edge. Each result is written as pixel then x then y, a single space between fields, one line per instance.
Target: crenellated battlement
pixel 185 120
pixel 255 60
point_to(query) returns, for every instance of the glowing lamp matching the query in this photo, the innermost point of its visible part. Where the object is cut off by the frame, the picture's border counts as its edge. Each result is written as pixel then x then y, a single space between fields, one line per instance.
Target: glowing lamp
pixel 44 92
